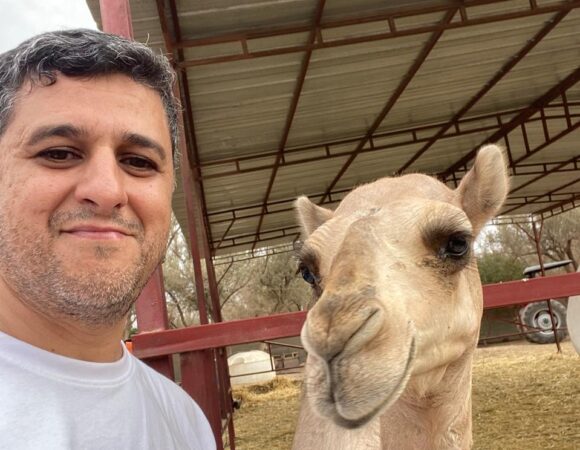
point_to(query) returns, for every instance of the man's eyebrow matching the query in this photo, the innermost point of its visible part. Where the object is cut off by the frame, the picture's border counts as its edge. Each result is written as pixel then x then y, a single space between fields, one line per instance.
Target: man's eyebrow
pixel 63 130
pixel 143 141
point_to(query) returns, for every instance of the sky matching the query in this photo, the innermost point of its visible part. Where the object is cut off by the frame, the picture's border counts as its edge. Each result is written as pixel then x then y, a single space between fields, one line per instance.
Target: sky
pixel 21 19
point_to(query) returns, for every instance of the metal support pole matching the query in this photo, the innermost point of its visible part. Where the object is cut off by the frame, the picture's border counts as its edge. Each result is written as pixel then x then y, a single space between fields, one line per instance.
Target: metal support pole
pixel 116 17
pixel 537 238
pixel 151 312
pixel 201 371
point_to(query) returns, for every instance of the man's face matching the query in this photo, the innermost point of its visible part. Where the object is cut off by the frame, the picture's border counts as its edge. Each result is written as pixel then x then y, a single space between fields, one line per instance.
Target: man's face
pixel 86 177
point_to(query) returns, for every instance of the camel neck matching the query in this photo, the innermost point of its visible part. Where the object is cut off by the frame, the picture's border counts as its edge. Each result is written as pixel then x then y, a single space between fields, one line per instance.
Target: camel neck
pixel 439 419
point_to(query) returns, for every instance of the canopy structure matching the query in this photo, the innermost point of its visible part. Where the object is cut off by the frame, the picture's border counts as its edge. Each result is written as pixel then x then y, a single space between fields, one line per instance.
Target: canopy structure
pixel 313 97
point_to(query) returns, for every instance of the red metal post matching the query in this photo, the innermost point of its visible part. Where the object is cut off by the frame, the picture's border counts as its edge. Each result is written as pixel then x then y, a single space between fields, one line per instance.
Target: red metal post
pixel 198 369
pixel 537 238
pixel 199 379
pixel 152 316
pixel 116 17
pixel 150 306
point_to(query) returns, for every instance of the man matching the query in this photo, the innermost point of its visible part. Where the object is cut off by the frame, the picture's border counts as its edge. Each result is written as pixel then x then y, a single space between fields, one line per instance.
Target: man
pixel 88 129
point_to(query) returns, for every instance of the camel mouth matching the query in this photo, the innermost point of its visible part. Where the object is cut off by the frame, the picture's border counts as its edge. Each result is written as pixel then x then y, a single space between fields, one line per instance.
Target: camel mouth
pixel 332 410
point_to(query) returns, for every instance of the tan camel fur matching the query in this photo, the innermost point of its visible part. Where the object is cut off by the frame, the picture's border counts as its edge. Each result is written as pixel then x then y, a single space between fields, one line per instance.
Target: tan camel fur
pixel 391 337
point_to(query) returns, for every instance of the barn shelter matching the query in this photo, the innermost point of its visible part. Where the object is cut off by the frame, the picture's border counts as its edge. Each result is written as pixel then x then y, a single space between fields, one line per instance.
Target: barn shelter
pixel 313 97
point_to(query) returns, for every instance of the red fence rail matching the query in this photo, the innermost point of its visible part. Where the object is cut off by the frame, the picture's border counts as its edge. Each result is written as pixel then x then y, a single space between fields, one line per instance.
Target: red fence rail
pixel 165 342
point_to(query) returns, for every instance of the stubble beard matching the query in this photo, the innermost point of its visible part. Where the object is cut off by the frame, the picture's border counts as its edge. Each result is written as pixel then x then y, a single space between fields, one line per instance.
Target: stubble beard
pixel 100 298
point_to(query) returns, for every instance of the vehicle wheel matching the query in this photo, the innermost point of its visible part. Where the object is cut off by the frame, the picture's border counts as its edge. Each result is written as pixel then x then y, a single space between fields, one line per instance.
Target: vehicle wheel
pixel 537 315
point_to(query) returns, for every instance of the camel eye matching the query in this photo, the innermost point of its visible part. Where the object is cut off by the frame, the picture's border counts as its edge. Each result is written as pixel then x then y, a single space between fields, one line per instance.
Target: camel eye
pixel 307 274
pixel 457 246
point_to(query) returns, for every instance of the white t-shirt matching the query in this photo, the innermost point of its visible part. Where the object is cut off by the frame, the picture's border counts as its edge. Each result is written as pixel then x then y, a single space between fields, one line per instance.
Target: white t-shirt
pixel 48 401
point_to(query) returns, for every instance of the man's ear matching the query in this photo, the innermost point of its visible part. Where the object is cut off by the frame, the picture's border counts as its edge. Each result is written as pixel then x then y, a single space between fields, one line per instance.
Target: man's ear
pixel 310 216
pixel 484 188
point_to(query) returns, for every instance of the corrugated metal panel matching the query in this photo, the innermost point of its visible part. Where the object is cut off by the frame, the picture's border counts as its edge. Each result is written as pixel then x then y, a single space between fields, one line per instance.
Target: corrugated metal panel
pixel 353 83
pixel 206 18
pixel 459 66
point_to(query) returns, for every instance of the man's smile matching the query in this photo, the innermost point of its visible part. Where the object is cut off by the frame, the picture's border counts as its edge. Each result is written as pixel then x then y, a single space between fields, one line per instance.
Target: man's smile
pixel 97 232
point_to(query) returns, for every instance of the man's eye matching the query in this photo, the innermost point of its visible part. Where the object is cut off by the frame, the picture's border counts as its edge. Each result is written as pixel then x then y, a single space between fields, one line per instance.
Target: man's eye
pixel 139 163
pixel 59 155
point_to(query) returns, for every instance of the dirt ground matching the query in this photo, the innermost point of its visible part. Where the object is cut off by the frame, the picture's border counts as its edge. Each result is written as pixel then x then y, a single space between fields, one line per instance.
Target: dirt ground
pixel 525 397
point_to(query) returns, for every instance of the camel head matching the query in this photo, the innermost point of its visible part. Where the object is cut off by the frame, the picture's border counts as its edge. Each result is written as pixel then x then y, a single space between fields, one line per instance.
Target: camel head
pixel 399 296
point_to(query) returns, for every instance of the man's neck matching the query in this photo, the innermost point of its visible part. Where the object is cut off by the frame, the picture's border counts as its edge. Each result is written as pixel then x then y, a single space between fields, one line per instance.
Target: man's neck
pixel 59 336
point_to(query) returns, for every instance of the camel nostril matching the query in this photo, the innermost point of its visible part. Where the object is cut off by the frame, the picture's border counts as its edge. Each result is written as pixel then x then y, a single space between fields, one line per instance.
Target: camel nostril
pixel 366 331
pixel 339 332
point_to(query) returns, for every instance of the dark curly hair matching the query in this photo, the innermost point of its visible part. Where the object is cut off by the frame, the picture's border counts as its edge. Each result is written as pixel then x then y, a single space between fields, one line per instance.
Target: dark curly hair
pixel 85 53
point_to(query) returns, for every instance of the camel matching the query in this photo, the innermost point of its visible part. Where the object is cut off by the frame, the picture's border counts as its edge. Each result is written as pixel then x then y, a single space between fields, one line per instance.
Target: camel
pixel 391 337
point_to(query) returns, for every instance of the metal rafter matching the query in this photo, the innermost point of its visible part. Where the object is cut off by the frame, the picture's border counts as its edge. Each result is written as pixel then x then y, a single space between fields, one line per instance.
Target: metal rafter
pixel 557 168
pixel 519 201
pixel 389 18
pixel 293 106
pixel 411 134
pixel 515 164
pixel 237 160
pixel 536 198
pixel 411 72
pixel 294 231
pixel 518 120
pixel 548 141
pixel 291 230
pixel 497 77
pixel 542 169
pixel 574 201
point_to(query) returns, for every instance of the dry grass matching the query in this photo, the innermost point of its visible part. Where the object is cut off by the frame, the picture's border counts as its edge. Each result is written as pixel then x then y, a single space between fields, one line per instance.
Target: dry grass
pixel 268 415
pixel 525 397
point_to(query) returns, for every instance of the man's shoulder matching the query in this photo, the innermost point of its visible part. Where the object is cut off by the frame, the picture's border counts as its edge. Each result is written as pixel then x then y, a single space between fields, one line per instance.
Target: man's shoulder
pixel 157 381
pixel 174 403
pixel 166 391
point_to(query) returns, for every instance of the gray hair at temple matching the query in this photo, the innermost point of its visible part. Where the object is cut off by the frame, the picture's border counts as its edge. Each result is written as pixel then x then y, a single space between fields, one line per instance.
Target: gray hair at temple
pixel 85 53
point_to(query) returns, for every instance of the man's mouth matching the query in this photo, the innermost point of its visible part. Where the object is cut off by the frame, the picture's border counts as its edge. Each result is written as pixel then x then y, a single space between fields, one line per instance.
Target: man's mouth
pixel 97 232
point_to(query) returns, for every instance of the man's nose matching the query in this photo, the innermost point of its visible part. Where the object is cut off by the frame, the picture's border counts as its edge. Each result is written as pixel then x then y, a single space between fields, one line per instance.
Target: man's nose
pixel 102 183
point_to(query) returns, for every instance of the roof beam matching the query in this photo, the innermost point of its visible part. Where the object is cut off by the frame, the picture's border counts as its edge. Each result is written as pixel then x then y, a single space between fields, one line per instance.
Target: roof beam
pixel 524 200
pixel 284 206
pixel 557 168
pixel 243 165
pixel 293 229
pixel 411 72
pixel 518 120
pixel 573 202
pixel 502 72
pixel 293 106
pixel 243 38
pixel 536 198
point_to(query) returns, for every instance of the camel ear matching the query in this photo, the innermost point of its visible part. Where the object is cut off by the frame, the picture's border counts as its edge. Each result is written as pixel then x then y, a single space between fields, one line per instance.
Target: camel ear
pixel 310 216
pixel 485 187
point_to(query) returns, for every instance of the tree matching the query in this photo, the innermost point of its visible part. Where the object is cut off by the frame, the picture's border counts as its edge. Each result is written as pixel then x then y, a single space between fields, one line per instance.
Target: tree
pixel 560 239
pixel 247 287
pixel 179 281
pixel 497 267
pixel 272 286
pixel 281 286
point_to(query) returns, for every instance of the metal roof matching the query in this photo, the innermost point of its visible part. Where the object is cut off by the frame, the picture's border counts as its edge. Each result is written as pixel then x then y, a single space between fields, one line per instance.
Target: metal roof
pixel 303 97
